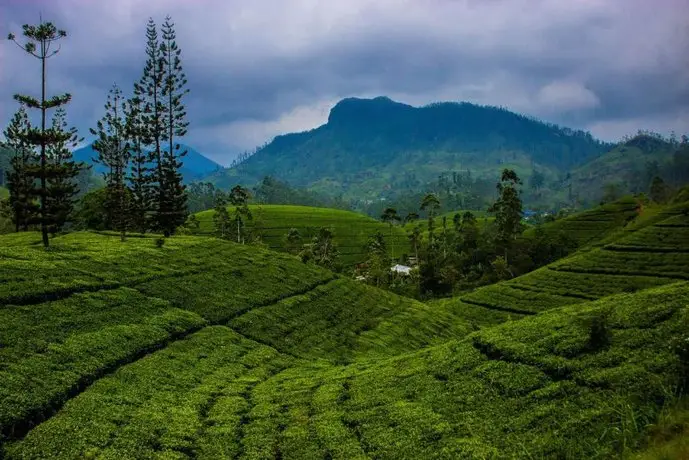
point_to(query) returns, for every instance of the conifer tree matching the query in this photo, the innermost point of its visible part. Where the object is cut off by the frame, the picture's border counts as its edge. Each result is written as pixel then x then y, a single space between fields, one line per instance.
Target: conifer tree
pixel 40 40
pixel 113 150
pixel 139 176
pixel 20 184
pixel 173 204
pixel 62 172
pixel 149 90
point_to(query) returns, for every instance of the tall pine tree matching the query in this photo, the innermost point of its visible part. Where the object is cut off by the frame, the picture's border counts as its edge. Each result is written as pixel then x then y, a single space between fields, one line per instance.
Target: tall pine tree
pixel 40 39
pixel 20 184
pixel 149 90
pixel 113 150
pixel 173 204
pixel 139 176
pixel 62 172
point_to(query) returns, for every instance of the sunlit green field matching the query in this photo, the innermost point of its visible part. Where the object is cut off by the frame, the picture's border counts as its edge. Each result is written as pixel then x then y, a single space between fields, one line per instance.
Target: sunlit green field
pixel 351 229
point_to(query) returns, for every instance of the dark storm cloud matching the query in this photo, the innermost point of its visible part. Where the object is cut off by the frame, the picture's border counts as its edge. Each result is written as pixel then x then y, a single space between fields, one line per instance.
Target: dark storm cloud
pixel 264 67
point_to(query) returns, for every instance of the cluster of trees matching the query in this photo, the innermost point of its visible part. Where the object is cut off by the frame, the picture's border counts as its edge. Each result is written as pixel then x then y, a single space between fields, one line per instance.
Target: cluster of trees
pixel 204 195
pixel 136 142
pixel 233 227
pixel 462 253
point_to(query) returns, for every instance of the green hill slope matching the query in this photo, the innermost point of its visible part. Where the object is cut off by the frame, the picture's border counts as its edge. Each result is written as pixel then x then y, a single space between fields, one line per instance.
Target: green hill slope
pixel 626 165
pixel 372 145
pixel 4 193
pixel 211 349
pixel 595 224
pixel 651 252
pixel 351 229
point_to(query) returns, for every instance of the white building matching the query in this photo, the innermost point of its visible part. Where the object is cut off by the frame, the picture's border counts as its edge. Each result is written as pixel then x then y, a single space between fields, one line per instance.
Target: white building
pixel 401 269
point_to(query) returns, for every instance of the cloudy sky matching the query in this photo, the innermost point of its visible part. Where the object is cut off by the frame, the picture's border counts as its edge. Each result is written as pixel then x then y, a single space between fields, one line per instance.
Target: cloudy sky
pixel 258 68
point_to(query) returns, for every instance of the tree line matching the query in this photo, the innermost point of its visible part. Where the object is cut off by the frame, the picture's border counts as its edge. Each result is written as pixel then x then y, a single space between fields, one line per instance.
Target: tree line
pixel 137 140
pixel 451 255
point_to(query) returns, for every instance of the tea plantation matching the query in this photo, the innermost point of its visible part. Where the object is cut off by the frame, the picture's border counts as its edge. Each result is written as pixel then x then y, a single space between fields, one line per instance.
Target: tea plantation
pixel 351 230
pixel 202 348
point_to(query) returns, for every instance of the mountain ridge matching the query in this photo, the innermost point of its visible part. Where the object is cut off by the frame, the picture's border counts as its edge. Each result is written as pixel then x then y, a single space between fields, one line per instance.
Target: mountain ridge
pixel 370 145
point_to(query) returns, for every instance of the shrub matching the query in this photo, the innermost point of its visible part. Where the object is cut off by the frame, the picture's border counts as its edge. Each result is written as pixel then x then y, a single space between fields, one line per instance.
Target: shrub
pixel 599 331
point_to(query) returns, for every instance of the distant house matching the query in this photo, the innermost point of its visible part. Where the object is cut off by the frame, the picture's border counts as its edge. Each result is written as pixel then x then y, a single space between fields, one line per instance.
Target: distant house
pixel 401 269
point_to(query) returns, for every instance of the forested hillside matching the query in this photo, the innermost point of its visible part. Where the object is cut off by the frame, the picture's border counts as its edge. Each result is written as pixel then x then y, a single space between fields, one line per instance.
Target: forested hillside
pixel 371 146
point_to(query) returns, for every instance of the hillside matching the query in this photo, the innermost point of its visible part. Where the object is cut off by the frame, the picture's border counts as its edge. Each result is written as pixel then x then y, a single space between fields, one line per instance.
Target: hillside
pixel 195 167
pixel 369 146
pixel 625 165
pixel 651 251
pixel 218 350
pixel 595 224
pixel 351 230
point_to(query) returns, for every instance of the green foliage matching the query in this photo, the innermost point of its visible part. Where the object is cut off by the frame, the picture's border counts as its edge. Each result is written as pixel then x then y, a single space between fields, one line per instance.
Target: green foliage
pixel 351 230
pixel 53 172
pixel 508 207
pixel 373 145
pixel 114 152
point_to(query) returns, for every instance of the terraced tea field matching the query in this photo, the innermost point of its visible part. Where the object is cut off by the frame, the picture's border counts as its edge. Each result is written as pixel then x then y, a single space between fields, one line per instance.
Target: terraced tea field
pixel 351 229
pixel 204 348
pixel 593 225
pixel 649 254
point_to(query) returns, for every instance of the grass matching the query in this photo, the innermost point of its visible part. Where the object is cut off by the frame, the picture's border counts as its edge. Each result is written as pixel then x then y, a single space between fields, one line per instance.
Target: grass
pixel 351 229
pixel 212 349
pixel 4 193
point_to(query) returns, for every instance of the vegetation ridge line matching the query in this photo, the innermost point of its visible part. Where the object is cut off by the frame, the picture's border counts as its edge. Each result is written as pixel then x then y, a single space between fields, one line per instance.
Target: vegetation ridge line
pixel 498 308
pixel 18 431
pixel 63 293
pixel 522 287
pixel 645 249
pixel 599 271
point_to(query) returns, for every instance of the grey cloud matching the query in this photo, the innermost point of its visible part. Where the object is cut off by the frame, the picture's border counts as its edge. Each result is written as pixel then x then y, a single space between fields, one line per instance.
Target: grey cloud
pixel 589 64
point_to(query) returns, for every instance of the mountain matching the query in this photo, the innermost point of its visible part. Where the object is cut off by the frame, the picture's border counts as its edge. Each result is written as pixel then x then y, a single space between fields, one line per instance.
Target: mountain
pixel 196 165
pixel 372 145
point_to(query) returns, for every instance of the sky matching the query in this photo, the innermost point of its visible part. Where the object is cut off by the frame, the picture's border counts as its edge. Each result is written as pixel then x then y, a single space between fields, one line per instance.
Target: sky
pixel 261 68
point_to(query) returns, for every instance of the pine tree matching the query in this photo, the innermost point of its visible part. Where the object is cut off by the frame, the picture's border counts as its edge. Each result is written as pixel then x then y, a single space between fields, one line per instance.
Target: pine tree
pixel 113 150
pixel 173 204
pixel 139 177
pixel 149 90
pixel 23 208
pixel 62 172
pixel 40 39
